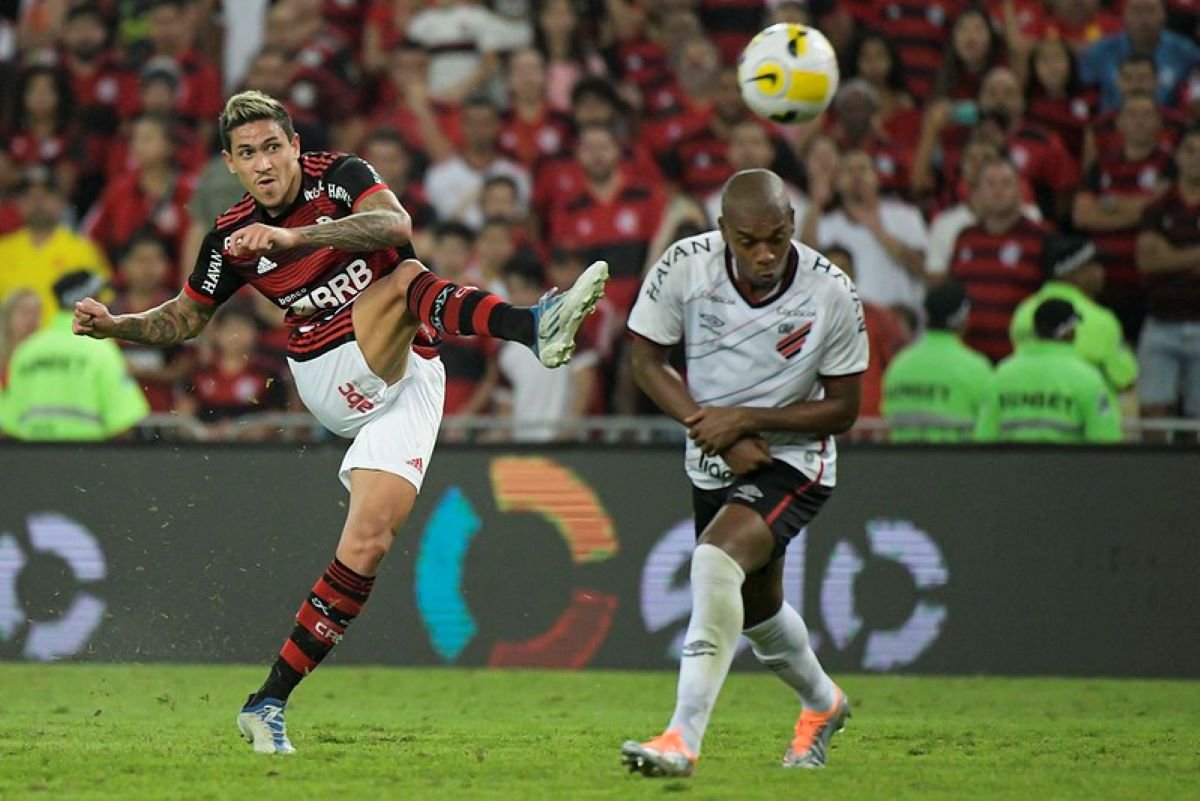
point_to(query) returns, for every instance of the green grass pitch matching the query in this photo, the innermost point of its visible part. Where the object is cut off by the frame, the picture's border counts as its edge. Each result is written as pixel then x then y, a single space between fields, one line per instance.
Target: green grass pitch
pixel 147 732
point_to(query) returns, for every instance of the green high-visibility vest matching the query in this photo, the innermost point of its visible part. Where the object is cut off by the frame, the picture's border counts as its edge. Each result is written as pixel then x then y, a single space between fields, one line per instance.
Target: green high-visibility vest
pixel 933 389
pixel 1046 392
pixel 1098 337
pixel 66 387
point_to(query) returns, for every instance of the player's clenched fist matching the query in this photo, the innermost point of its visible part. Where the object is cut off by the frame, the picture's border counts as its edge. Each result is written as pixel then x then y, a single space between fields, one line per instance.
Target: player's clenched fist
pixel 259 239
pixel 92 319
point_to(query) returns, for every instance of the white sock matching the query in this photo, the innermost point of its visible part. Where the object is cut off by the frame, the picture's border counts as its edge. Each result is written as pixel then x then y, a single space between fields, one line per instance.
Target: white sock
pixel 711 640
pixel 781 644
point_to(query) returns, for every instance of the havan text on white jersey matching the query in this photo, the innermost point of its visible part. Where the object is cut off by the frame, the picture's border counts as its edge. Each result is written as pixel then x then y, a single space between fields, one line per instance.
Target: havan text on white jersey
pixel 767 353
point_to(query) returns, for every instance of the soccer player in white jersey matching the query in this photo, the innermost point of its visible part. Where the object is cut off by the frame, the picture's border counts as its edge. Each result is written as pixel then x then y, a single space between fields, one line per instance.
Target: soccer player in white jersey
pixel 775 345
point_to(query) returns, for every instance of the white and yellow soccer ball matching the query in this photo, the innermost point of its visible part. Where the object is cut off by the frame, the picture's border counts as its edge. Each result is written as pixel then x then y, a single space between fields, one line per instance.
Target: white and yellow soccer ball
pixel 788 73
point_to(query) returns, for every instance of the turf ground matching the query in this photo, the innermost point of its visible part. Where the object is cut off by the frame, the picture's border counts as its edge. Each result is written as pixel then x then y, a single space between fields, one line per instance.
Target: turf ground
pixel 148 732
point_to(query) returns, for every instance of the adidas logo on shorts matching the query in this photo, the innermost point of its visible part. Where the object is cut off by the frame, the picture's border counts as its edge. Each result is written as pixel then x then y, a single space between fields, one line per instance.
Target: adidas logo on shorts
pixel 417 463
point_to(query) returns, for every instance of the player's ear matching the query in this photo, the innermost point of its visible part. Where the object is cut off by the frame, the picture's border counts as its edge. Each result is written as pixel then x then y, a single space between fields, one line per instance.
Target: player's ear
pixel 721 226
pixel 228 162
pixel 296 143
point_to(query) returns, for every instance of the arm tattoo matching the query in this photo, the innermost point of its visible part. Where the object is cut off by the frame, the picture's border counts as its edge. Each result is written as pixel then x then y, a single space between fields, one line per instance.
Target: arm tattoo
pixel 169 324
pixel 381 222
pixel 364 231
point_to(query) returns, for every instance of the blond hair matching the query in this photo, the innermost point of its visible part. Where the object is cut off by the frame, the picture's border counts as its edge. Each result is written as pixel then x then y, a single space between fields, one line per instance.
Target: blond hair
pixel 252 106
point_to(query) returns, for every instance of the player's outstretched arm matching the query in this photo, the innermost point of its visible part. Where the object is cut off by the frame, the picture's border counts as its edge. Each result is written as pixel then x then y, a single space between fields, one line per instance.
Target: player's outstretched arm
pixel 379 222
pixel 178 319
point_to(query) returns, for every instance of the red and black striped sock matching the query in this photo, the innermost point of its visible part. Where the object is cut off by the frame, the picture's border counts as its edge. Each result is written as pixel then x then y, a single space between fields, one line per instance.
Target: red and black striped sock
pixel 464 310
pixel 335 600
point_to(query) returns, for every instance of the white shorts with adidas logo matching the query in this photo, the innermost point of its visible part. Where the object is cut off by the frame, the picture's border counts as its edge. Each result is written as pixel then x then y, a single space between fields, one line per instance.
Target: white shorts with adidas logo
pixel 394 428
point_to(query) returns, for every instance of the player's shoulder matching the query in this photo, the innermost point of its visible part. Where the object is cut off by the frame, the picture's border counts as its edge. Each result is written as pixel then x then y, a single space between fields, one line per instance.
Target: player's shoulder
pixel 236 215
pixel 694 253
pixel 316 163
pixel 821 273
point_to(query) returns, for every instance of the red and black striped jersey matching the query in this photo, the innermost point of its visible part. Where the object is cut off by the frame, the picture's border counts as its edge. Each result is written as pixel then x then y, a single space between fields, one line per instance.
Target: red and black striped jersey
pixel 919 29
pixel 998 271
pixel 316 285
pixel 1066 116
pixel 1105 135
pixel 1115 174
pixel 617 230
pixel 1174 295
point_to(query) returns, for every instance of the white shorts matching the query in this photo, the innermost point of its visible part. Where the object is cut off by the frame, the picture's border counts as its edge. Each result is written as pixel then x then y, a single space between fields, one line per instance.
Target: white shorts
pixel 394 427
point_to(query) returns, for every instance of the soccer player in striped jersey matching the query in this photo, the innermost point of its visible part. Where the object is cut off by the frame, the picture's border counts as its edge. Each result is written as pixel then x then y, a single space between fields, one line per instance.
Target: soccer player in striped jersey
pixel 775 344
pixel 322 235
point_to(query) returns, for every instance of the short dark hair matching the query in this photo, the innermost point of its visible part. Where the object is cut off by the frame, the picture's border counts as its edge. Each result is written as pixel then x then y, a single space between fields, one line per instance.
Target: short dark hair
pixel 146 235
pixel 501 180
pixel 385 135
pixel 1138 58
pixel 598 88
pixel 454 229
pixel 1188 133
pixel 526 268
pixel 252 106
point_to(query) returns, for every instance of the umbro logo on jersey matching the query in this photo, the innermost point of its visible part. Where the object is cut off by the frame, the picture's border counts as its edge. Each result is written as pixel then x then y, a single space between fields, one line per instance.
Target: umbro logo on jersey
pixel 712 322
pixel 265 265
pixel 793 343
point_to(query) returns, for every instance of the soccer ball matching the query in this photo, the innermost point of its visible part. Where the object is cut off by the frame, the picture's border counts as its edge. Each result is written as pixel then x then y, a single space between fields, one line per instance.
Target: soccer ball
pixel 788 73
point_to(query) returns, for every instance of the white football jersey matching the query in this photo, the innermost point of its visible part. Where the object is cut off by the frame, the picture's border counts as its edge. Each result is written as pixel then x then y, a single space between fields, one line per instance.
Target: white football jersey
pixel 768 353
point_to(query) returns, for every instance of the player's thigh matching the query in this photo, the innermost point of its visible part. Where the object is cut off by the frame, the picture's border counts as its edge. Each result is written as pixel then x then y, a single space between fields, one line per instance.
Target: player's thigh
pixel 382 324
pixel 781 499
pixel 1159 364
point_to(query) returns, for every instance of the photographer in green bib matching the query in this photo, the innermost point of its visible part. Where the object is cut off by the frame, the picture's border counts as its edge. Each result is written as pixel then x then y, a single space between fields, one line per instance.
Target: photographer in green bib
pixel 1046 392
pixel 1075 274
pixel 933 389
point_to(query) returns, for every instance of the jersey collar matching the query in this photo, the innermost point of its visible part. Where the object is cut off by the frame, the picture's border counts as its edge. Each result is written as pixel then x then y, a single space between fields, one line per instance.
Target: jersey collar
pixel 785 283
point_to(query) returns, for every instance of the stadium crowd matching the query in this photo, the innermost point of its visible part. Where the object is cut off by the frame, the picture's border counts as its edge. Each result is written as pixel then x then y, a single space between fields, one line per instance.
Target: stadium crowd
pixel 1009 150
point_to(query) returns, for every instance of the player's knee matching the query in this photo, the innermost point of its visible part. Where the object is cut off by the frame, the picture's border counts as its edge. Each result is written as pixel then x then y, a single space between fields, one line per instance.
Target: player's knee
pixel 402 277
pixel 367 540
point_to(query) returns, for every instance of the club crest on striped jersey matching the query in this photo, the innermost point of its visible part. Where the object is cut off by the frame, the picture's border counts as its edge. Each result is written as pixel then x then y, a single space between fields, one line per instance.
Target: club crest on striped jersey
pixel 792 342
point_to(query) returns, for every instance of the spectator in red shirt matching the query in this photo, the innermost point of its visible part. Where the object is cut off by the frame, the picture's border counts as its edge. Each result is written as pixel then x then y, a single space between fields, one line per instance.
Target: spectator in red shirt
pixel 530 129
pixel 43 130
pixel 1168 255
pixel 885 336
pixel 1137 75
pixel 97 77
pixel 1055 97
pixel 143 269
pixel 155 194
pixel 1039 155
pixel 561 40
pixel 386 21
pixel 875 60
pixel 172 33
pixel 271 71
pixel 856 125
pixel 385 150
pixel 158 87
pixel 614 217
pixel 920 29
pixel 998 259
pixel 432 128
pixel 1118 188
pixel 1079 23
pixel 233 383
pixel 973 49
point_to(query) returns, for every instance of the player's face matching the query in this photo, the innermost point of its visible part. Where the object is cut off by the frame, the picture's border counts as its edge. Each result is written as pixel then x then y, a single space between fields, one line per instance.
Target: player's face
pixel 760 246
pixel 265 162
